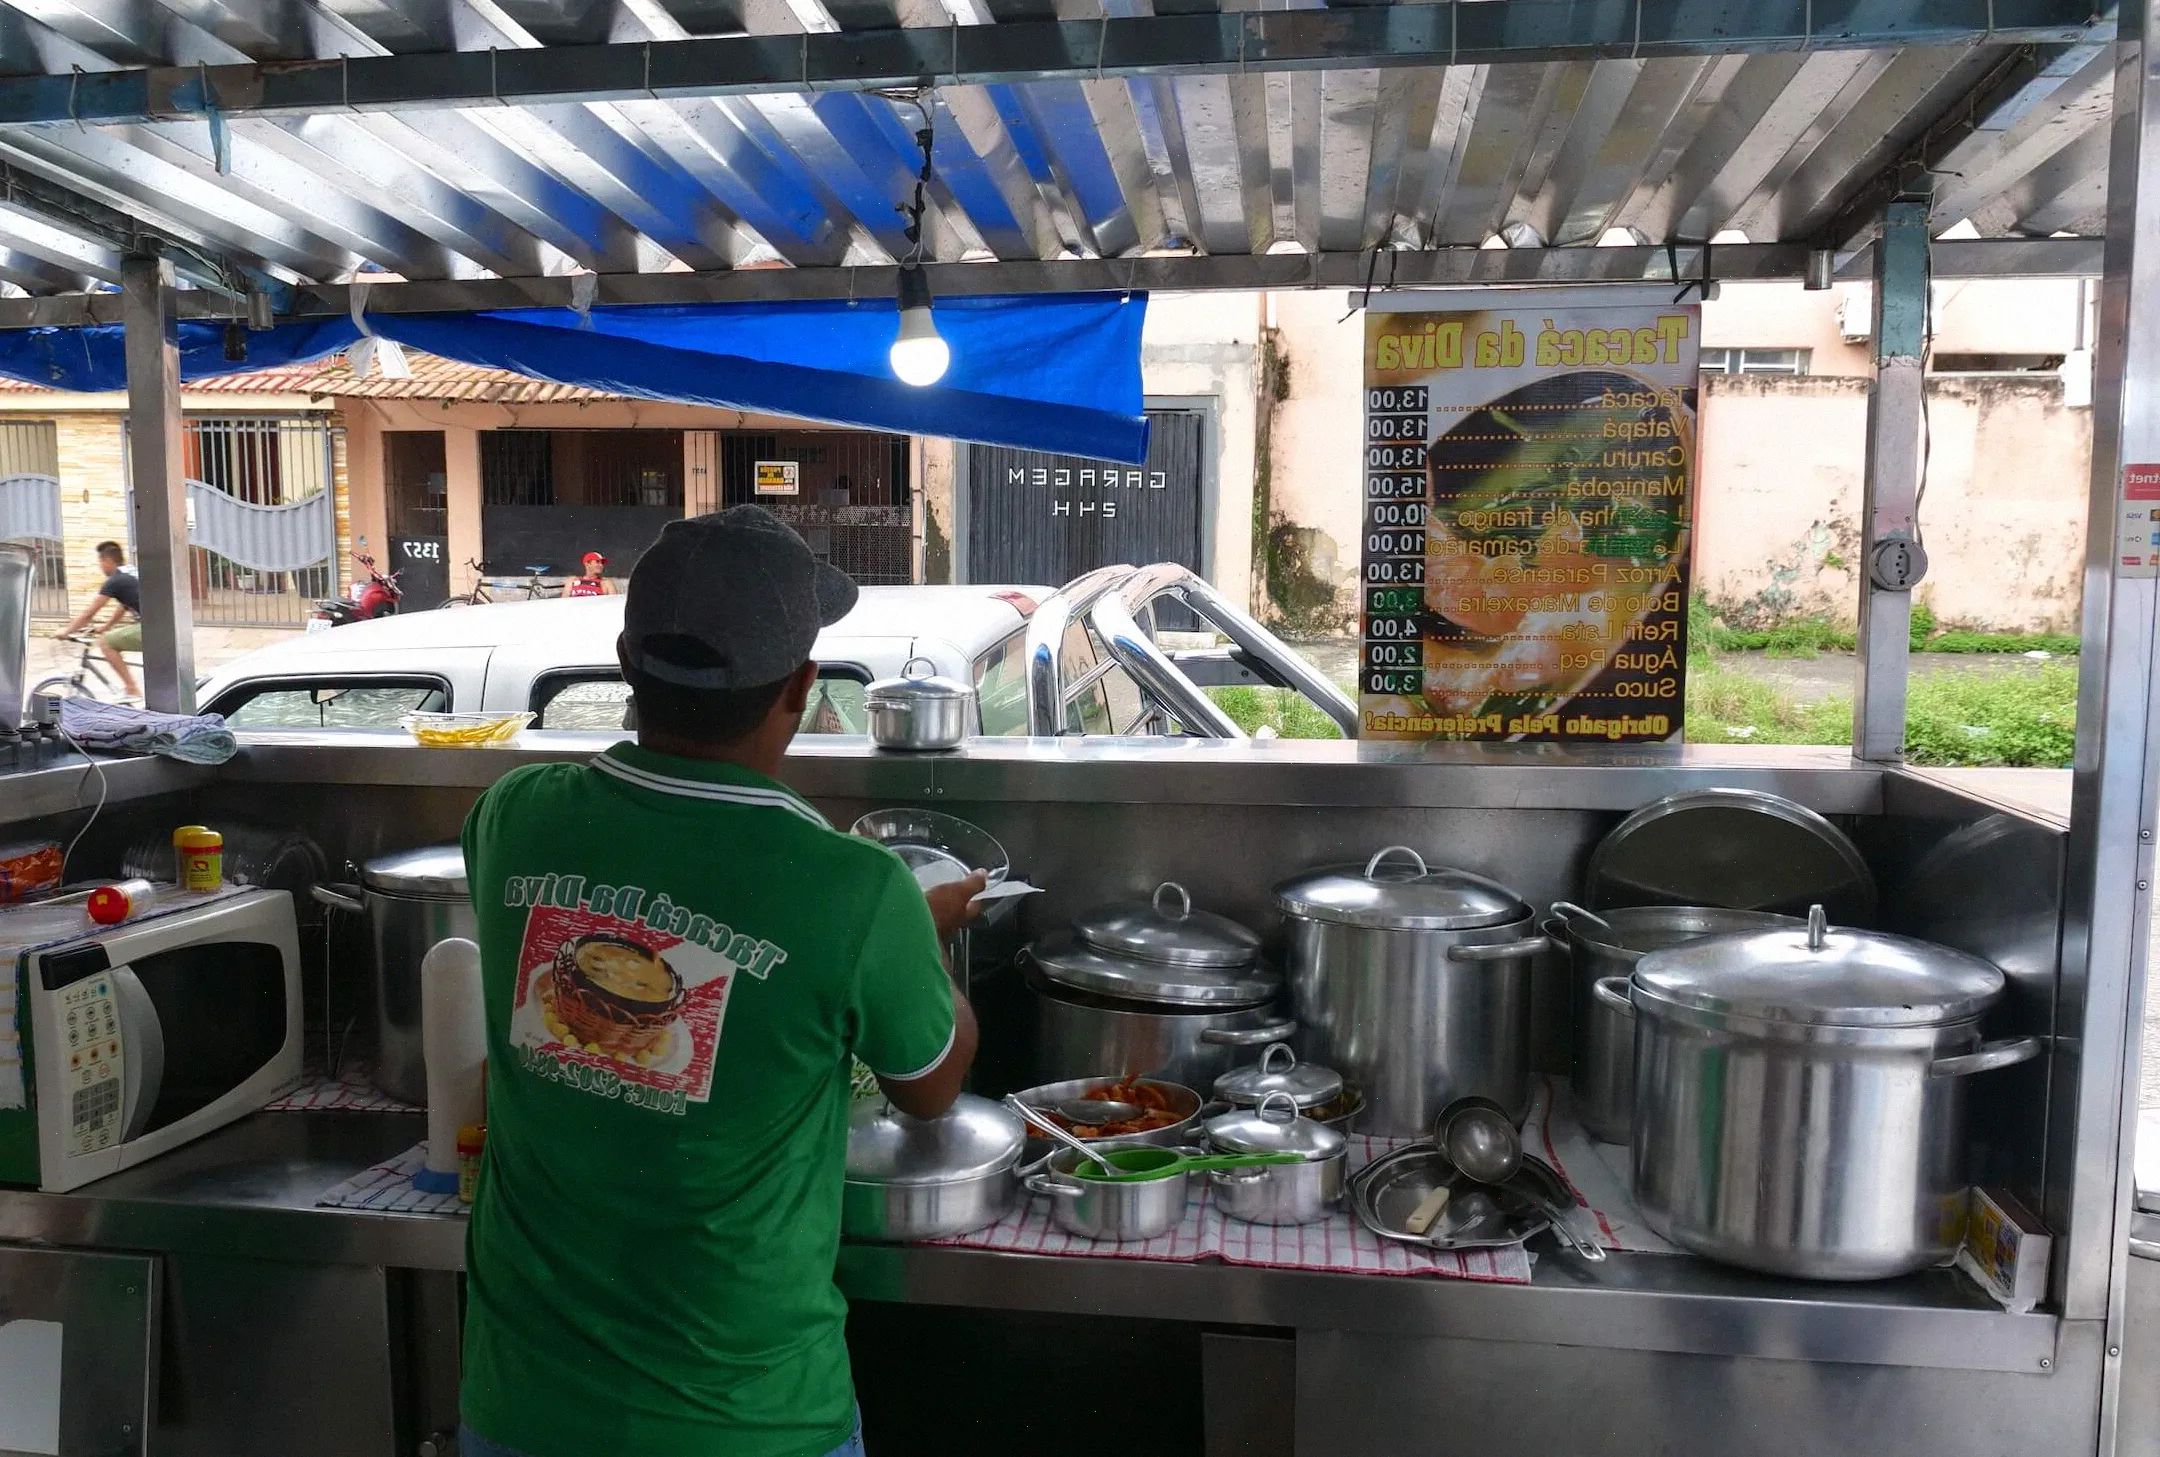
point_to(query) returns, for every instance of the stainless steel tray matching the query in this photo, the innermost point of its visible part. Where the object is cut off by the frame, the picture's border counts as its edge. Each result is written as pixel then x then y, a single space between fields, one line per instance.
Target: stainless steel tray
pixel 1388 1190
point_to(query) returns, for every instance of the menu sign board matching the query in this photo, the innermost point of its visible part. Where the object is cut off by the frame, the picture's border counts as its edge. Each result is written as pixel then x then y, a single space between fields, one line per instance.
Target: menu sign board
pixel 1529 474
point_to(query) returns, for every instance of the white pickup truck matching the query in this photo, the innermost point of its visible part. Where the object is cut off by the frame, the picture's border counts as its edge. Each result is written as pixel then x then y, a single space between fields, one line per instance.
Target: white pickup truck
pixel 1080 659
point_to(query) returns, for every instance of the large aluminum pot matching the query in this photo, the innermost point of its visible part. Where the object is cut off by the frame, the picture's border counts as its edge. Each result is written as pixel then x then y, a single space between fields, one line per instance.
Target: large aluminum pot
pixel 925 1178
pixel 1800 1097
pixel 1107 1013
pixel 1603 1064
pixel 1414 984
pixel 412 900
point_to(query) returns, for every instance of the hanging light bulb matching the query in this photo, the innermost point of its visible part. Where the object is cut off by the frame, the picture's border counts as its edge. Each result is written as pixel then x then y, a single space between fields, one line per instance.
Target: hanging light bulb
pixel 920 355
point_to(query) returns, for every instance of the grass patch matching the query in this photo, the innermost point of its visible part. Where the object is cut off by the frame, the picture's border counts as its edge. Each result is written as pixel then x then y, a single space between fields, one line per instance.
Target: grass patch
pixel 1964 720
pixel 1808 637
pixel 1291 714
pixel 2061 644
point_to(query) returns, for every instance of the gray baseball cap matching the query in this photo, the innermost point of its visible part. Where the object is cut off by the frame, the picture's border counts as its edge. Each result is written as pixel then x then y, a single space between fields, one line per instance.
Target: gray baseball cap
pixel 743 585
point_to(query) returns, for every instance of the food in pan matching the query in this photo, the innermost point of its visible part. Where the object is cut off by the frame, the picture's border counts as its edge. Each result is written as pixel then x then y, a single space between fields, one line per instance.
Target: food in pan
pixel 1156 1099
pixel 1557 517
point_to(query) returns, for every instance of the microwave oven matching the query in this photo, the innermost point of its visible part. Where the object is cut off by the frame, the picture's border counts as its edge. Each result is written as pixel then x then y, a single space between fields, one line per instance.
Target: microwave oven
pixel 118 1043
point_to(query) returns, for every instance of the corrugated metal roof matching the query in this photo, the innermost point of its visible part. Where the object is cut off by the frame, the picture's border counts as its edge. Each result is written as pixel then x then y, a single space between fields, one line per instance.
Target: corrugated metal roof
pixel 1779 147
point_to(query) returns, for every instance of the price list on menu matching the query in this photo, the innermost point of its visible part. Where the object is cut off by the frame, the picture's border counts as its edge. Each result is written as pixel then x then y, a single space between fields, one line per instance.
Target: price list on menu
pixel 1391 657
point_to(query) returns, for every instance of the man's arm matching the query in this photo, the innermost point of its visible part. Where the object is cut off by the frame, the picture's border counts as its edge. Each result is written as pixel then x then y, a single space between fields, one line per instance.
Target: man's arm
pixel 932 1092
pixel 82 618
pixel 916 1031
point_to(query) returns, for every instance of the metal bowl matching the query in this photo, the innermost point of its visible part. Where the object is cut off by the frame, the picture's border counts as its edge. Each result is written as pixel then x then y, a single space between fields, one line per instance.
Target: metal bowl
pixel 925 838
pixel 1171 1135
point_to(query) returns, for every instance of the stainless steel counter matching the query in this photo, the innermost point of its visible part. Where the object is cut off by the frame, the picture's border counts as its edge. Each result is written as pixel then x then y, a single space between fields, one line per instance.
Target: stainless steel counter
pixel 251 1189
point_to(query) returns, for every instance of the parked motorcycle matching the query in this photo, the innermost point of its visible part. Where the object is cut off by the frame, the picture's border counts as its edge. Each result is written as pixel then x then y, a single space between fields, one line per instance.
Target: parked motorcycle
pixel 379 597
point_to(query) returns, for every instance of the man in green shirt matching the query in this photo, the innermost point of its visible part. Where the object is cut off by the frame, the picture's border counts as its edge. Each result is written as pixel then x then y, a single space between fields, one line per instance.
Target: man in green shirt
pixel 676 991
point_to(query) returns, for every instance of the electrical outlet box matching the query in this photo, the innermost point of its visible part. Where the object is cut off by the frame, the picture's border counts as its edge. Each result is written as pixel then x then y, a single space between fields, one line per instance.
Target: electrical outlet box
pixel 1897 564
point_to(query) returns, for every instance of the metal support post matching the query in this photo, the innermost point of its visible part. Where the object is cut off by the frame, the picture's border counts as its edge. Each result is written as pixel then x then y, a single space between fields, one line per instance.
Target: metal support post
pixel 2092 1101
pixel 160 497
pixel 1890 559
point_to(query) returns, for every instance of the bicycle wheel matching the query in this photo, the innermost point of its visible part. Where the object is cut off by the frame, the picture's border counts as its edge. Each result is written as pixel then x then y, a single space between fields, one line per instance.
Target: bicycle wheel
pixel 76 686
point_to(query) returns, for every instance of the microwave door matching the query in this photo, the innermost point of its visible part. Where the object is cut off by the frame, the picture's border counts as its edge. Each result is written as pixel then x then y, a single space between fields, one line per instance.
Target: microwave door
pixel 143 1035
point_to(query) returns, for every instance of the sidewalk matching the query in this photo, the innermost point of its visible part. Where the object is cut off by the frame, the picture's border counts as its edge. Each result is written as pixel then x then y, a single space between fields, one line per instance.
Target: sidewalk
pixel 214 648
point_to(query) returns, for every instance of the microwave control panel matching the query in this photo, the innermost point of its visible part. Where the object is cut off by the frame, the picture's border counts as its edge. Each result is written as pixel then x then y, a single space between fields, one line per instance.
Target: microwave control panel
pixel 89 1019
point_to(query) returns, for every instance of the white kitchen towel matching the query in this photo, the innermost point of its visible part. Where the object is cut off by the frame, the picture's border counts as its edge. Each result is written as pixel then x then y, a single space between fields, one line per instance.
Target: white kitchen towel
pixel 387 1188
pixel 1597 1172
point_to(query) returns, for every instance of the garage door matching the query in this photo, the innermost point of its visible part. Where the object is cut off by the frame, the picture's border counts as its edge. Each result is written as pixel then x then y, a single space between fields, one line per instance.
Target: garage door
pixel 1030 517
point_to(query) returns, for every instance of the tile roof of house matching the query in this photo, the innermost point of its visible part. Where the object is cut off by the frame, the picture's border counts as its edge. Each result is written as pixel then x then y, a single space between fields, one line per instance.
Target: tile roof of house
pixel 433 378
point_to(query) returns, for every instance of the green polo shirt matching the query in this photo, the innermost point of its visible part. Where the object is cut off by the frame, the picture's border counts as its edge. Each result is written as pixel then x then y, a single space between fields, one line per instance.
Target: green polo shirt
pixel 680 959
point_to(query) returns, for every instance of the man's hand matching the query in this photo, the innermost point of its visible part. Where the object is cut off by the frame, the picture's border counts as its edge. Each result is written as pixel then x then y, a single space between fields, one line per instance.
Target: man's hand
pixel 951 904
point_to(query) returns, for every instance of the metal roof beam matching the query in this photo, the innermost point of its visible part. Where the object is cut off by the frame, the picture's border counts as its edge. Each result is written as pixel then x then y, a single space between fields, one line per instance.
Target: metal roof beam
pixel 1469 32
pixel 1435 268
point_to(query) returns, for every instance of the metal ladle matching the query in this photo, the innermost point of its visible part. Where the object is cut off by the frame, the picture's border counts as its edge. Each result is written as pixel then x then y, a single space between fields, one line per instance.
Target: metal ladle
pixel 1033 1117
pixel 1481 1140
pixel 1094 1112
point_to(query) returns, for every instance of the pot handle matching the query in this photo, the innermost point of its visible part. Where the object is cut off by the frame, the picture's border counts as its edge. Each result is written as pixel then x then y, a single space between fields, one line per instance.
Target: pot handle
pixel 339 897
pixel 1386 850
pixel 1184 901
pixel 1500 951
pixel 2004 1052
pixel 1250 1036
pixel 1612 991
pixel 1056 1188
pixel 1568 911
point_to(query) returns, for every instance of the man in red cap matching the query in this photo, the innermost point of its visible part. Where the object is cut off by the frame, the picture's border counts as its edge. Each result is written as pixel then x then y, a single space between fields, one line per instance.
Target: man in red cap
pixel 591 582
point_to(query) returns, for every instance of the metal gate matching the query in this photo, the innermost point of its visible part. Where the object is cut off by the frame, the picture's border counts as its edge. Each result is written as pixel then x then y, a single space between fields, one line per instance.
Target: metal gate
pixel 262 522
pixel 851 495
pixel 30 507
pixel 1045 519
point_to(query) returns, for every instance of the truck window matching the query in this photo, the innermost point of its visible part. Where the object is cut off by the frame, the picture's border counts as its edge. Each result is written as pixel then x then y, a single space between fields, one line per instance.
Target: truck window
pixel 596 700
pixel 330 702
pixel 1001 688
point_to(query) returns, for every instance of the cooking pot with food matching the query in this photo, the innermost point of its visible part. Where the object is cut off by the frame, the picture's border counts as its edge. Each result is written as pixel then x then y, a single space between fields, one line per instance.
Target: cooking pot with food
pixel 1414 982
pixel 1800 1096
pixel 1154 988
pixel 411 900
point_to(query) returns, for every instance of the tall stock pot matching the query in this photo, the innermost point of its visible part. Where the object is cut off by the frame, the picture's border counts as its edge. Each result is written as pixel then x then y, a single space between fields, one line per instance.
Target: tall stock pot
pixel 1154 988
pixel 1610 944
pixel 1413 981
pixel 412 900
pixel 1800 1096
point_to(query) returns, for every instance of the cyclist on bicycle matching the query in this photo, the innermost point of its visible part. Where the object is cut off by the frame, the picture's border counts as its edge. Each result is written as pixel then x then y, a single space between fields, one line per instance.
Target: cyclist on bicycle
pixel 592 581
pixel 122 633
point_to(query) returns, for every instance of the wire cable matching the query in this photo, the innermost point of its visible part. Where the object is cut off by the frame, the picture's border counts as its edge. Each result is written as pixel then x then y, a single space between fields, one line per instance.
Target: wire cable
pixel 104 790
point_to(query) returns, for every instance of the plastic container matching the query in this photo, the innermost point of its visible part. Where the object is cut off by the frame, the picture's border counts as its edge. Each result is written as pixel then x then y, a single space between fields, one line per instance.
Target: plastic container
pixel 471 1143
pixel 465 730
pixel 199 857
pixel 109 905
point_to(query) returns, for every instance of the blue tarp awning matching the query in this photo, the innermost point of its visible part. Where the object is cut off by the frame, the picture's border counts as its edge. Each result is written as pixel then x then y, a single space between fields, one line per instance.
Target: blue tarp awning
pixel 1056 372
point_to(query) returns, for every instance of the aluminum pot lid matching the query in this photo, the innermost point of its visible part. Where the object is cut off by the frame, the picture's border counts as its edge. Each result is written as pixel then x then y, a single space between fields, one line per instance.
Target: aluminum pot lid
pixel 974 1137
pixel 1397 891
pixel 1306 1084
pixel 1167 929
pixel 1275 1126
pixel 1739 848
pixel 919 682
pixel 435 873
pixel 1067 961
pixel 1639 930
pixel 1821 976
